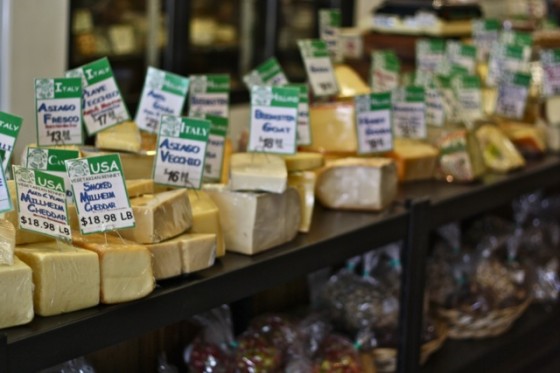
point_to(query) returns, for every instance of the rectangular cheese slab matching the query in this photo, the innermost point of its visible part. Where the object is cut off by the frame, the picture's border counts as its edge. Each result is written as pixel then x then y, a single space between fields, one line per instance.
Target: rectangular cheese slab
pixel 7 242
pixel 16 294
pixel 66 278
pixel 304 183
pixel 415 160
pixel 258 172
pixel 124 137
pixel 125 267
pixel 206 218
pixel 255 222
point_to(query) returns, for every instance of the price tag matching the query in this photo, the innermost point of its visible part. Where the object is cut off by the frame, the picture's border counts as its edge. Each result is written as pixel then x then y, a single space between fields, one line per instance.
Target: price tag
pixel 384 72
pixel 5 199
pixel 41 200
pixel 512 95
pixel 506 58
pixel 550 61
pixel 9 131
pixel 409 113
pixel 274 112
pixel 511 37
pixel 209 94
pixel 58 105
pixel 318 67
pixel 469 97
pixel 450 104
pixel 215 149
pixel 329 31
pixel 463 55
pixel 373 123
pixel 100 193
pixel 103 105
pixel 268 73
pixel 181 151
pixel 485 34
pixel 430 56
pixel 163 93
pixel 303 127
pixel 52 161
pixel 435 110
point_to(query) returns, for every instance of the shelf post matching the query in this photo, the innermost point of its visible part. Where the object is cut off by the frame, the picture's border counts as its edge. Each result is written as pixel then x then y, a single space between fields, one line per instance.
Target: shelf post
pixel 413 259
pixel 3 353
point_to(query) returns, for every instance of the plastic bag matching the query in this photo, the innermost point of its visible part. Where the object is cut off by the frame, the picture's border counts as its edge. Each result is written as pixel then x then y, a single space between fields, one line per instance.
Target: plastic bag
pixel 337 355
pixel 79 365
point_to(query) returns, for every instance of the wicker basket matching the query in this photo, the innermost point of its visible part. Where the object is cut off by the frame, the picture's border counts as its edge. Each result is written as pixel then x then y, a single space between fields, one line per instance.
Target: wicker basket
pixel 463 326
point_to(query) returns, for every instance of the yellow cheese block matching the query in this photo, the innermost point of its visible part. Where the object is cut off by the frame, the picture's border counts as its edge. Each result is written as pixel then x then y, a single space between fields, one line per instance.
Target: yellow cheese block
pixel 350 84
pixel 206 218
pixel 527 138
pixel 7 242
pixel 159 216
pixel 16 294
pixel 228 151
pixel 135 166
pixel 125 267
pixel 122 137
pixel 66 278
pixel 498 151
pixel 258 172
pixel 332 128
pixel 415 160
pixel 139 187
pixel 166 259
pixel 303 161
pixel 304 183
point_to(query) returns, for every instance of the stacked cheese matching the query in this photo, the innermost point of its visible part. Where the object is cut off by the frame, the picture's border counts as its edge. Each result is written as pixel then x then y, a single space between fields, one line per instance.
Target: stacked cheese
pixel 415 160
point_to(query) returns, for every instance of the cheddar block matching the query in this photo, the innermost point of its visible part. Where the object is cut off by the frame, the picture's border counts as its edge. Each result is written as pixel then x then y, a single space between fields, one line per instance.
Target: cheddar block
pixel 125 267
pixel 123 137
pixel 303 161
pixel 552 110
pixel 304 183
pixel 527 138
pixel 498 151
pixel 350 84
pixel 368 184
pixel 139 187
pixel 258 172
pixel 16 294
pixel 460 157
pixel 134 165
pixel 415 160
pixel 254 222
pixel 7 242
pixel 159 216
pixel 206 218
pixel 66 278
pixel 166 259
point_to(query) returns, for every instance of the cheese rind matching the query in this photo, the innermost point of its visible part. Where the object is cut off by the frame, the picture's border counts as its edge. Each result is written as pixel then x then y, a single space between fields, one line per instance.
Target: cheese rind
pixel 415 160
pixel 357 184
pixel 255 222
pixel 16 294
pixel 7 242
pixel 304 183
pixel 206 218
pixel 303 161
pixel 123 137
pixel 258 172
pixel 65 279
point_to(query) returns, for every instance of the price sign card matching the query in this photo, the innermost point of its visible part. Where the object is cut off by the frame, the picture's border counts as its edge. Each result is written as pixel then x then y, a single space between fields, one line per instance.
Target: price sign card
pixel 103 105
pixel 58 104
pixel 52 161
pixel 329 31
pixel 435 108
pixel 467 89
pixel 181 151
pixel 550 61
pixel 268 73
pixel 506 58
pixel 319 67
pixel 215 149
pixel 163 93
pixel 100 193
pixel 209 94
pixel 9 131
pixel 5 199
pixel 462 54
pixel 409 113
pixel 430 56
pixel 303 127
pixel 41 200
pixel 274 112
pixel 512 95
pixel 485 34
pixel 373 123
pixel 384 72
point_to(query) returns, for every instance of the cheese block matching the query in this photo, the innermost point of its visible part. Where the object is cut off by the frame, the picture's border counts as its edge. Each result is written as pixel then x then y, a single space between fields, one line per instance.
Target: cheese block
pixel 527 138
pixel 134 165
pixel 206 218
pixel 228 151
pixel 304 183
pixel 357 184
pixel 125 267
pixel 415 160
pixel 258 172
pixel 139 187
pixel 159 216
pixel 552 135
pixel 16 294
pixel 350 84
pixel 303 161
pixel 66 278
pixel 460 158
pixel 498 151
pixel 552 110
pixel 123 137
pixel 489 100
pixel 254 222
pixel 7 242
pixel 166 259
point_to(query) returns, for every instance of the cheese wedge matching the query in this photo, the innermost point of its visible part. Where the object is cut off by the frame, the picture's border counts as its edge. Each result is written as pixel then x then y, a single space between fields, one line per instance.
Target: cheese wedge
pixel 159 216
pixel 16 294
pixel 66 278
pixel 350 84
pixel 123 137
pixel 527 138
pixel 206 218
pixel 415 160
pixel 357 184
pixel 460 158
pixel 303 161
pixel 134 165
pixel 254 222
pixel 498 151
pixel 333 128
pixel 7 242
pixel 258 172
pixel 125 267
pixel 304 183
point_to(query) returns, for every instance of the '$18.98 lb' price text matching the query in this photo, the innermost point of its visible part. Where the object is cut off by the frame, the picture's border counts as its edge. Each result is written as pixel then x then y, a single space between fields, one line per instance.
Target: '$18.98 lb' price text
pixel 45 225
pixel 106 218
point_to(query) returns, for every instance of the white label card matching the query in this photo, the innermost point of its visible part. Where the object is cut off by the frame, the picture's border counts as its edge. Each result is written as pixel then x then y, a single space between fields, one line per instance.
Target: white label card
pixel 215 149
pixel 319 67
pixel 10 126
pixel 409 113
pixel 373 123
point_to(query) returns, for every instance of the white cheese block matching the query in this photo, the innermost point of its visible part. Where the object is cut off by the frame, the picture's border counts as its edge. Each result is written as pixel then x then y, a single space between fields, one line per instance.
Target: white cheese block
pixel 304 183
pixel 206 218
pixel 124 137
pixel 16 294
pixel 357 184
pixel 125 267
pixel 258 172
pixel 303 161
pixel 166 259
pixel 552 110
pixel 415 160
pixel 159 216
pixel 7 242
pixel 254 222
pixel 66 278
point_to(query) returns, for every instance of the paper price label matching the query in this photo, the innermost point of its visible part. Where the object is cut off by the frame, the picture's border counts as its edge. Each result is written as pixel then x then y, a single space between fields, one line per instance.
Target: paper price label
pixel 9 131
pixel 463 55
pixel 303 127
pixel 329 31
pixel 512 95
pixel 163 93
pixel 430 55
pixel 274 112
pixel 469 96
pixel 485 35
pixel 58 104
pixel 507 58
pixel 181 151
pixel 100 193
pixel 41 200
pixel 384 72
pixel 550 61
pixel 435 110
pixel 103 105
pixel 5 198
pixel 409 113
pixel 215 149
pixel 319 67
pixel 209 94
pixel 373 123
pixel 268 73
